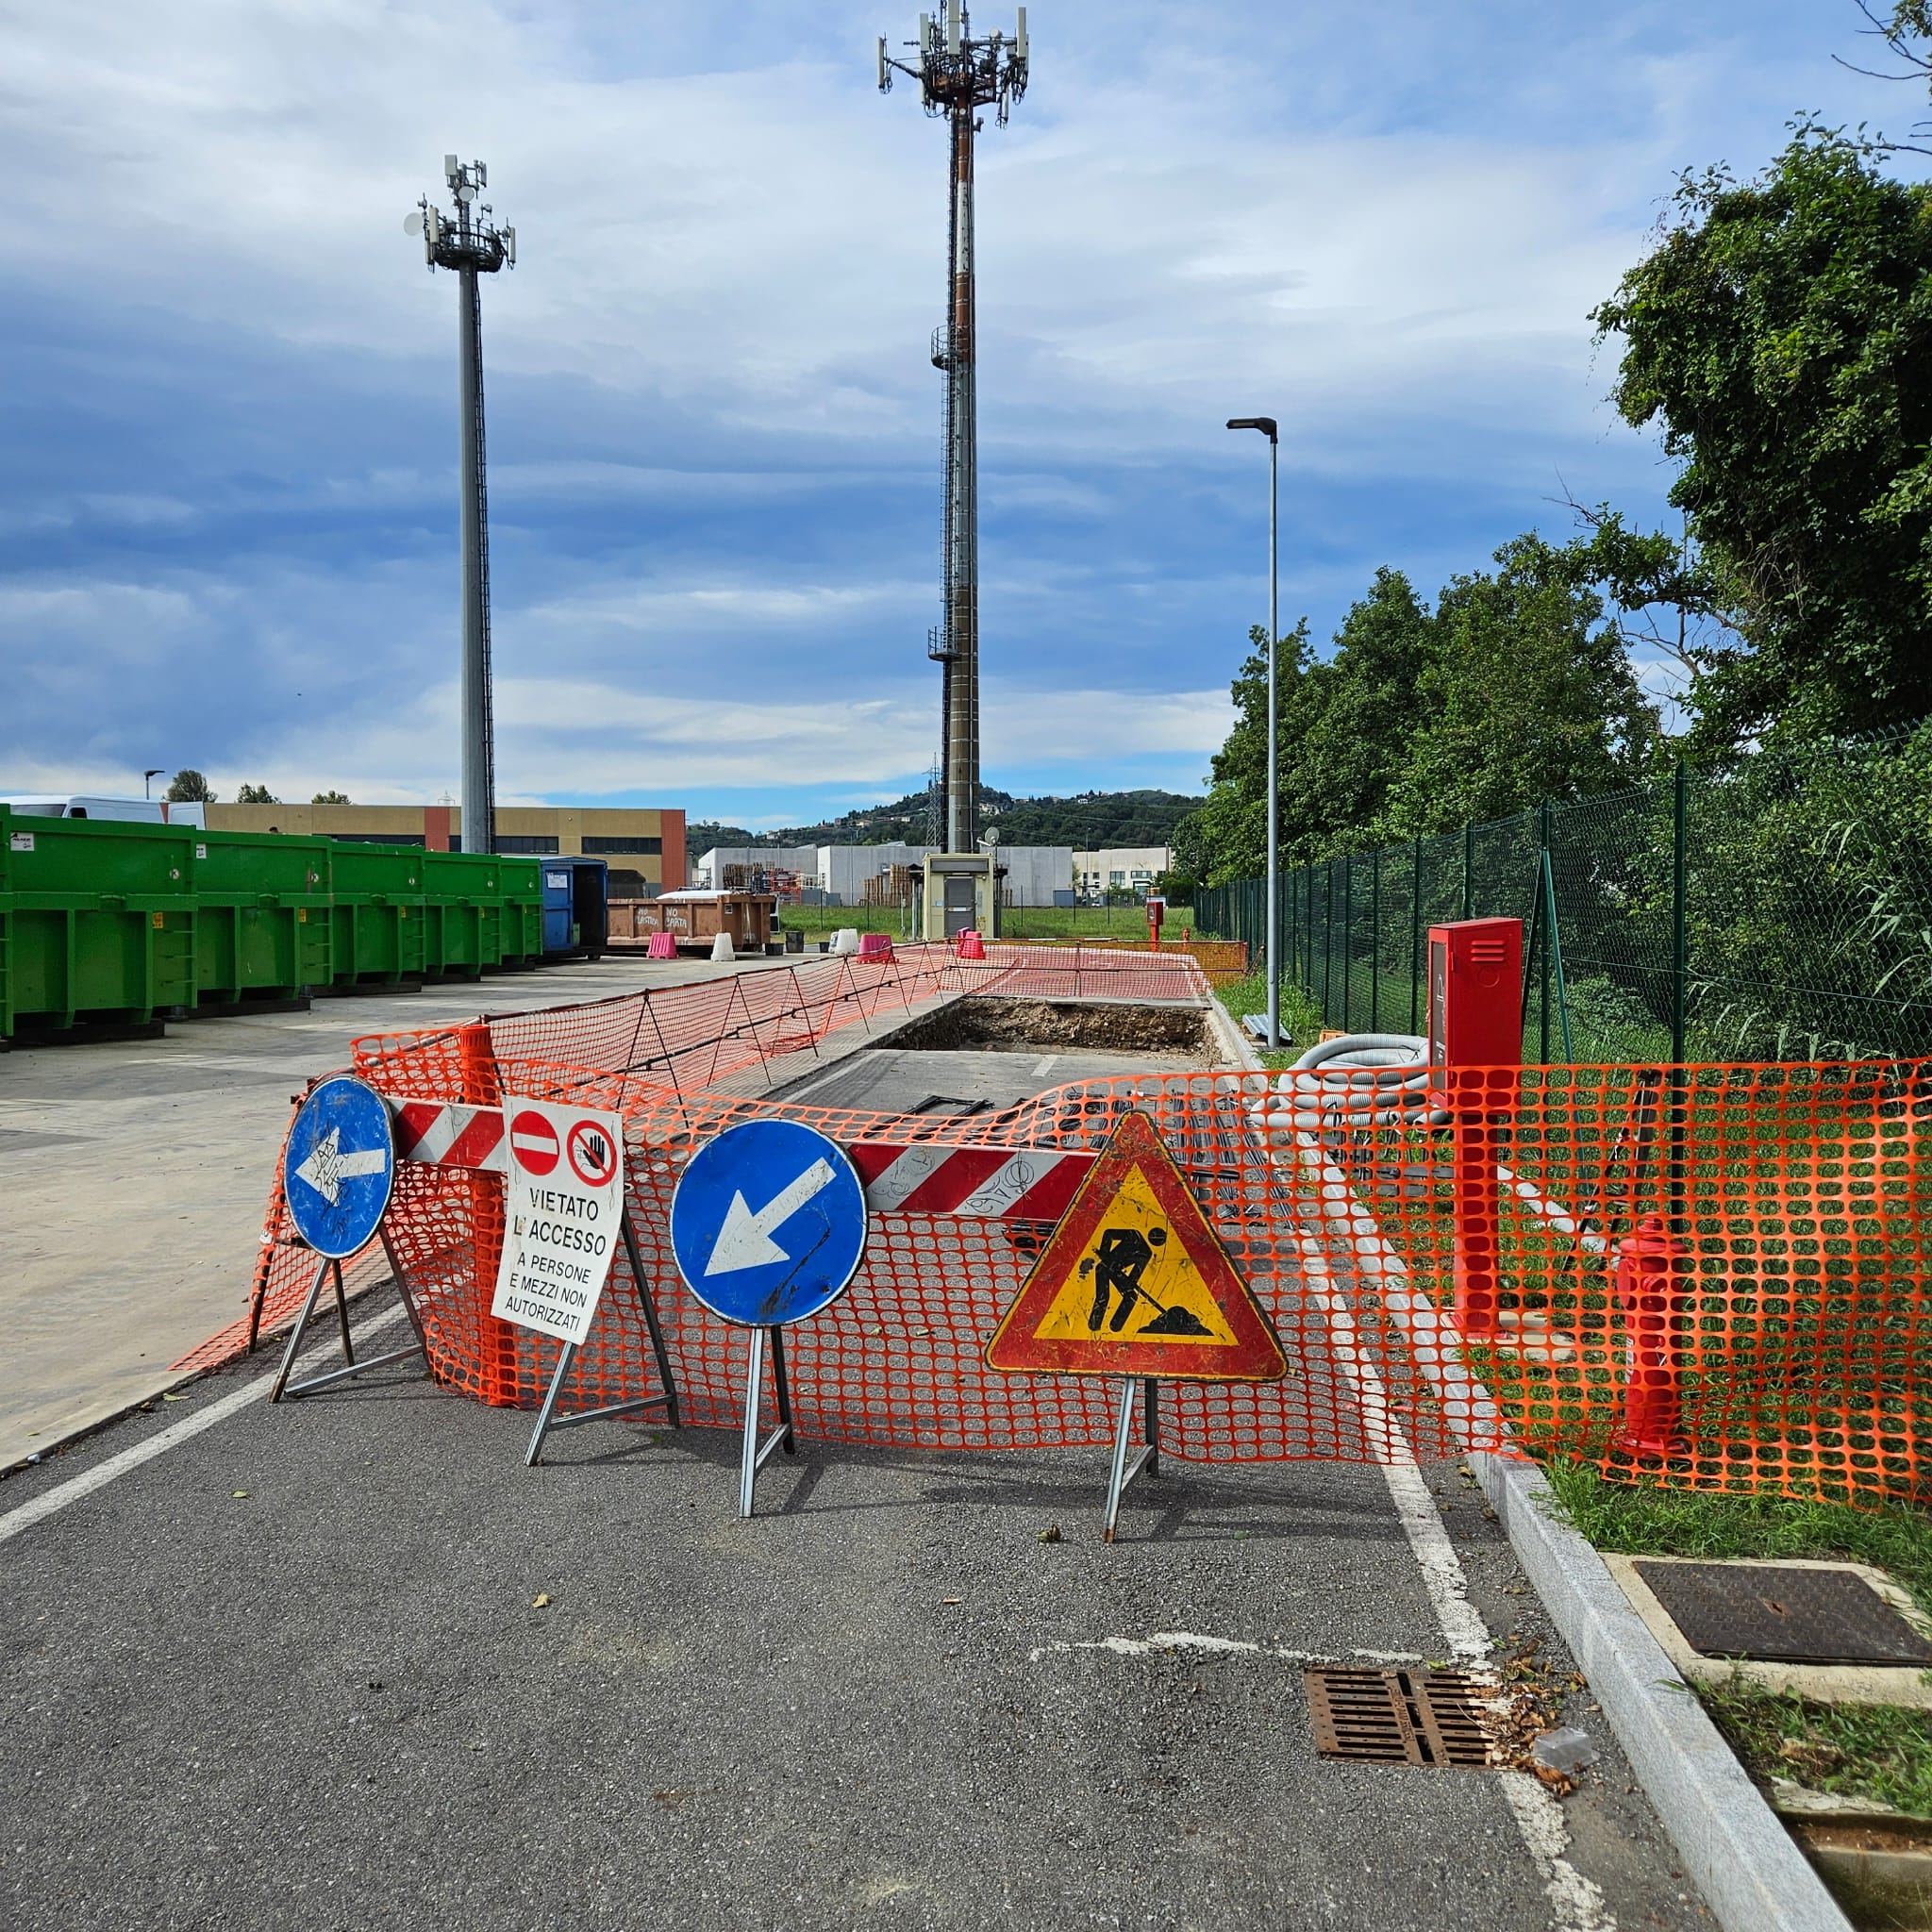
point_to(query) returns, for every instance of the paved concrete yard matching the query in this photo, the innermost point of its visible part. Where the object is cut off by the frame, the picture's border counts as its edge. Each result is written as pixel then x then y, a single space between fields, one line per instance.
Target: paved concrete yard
pixel 135 1173
pixel 332 1702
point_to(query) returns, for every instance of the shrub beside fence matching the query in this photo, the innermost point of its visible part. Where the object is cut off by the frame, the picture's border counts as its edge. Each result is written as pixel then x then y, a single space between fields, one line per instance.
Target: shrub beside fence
pixel 1776 909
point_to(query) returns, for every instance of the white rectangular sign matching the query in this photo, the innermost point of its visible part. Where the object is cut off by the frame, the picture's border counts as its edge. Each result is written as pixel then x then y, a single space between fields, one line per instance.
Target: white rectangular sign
pixel 563 1175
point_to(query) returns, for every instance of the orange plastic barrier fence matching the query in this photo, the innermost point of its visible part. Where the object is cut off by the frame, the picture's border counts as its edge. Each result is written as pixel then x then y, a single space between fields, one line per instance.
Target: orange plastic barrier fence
pixel 1716 1273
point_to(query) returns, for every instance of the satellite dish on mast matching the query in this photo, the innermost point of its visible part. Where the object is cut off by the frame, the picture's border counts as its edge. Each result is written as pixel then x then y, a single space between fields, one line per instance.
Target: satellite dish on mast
pixel 412 222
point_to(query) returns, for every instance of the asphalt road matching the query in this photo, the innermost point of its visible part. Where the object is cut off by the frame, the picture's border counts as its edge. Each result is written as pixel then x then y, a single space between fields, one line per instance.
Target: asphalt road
pixel 334 1702
pixel 299 1670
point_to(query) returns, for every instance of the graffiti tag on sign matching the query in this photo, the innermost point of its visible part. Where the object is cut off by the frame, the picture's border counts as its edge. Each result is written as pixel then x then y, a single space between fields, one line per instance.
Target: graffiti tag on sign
pixel 563 1207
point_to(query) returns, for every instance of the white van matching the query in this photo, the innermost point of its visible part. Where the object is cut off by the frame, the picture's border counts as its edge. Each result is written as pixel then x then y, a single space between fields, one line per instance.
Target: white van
pixel 139 812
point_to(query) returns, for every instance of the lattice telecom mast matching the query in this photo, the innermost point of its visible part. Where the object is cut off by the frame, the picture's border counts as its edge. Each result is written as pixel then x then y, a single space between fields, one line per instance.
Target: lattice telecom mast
pixel 472 244
pixel 958 76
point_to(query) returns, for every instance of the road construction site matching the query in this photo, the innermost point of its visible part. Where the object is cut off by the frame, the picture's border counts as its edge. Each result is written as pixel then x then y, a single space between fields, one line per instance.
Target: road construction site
pixel 350 1660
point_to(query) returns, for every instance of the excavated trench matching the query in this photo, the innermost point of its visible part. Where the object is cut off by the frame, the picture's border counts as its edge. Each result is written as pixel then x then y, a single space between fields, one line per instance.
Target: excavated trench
pixel 990 1024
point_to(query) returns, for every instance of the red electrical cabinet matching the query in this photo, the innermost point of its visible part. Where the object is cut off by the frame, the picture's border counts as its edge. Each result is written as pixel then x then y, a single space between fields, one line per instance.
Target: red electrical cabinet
pixel 1475 1044
pixel 1475 993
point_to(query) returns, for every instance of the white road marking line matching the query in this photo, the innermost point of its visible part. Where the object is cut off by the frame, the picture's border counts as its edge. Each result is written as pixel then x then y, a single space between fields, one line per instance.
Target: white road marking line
pixel 1043 1063
pixel 1577 1903
pixel 51 1502
pixel 1220 1646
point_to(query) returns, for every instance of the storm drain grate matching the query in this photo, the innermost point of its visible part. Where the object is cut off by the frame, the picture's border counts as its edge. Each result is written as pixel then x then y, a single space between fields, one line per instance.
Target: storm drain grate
pixel 1396 1716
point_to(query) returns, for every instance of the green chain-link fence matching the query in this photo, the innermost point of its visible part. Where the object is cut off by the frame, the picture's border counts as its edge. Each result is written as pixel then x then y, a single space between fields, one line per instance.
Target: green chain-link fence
pixel 1777 909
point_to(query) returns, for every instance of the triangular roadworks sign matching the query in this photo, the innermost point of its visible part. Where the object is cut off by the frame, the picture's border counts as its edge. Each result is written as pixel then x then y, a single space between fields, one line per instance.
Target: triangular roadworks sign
pixel 1134 1282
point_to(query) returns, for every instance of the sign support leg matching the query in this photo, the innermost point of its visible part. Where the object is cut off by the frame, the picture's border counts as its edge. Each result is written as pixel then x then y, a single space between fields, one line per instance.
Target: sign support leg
pixel 756 1454
pixel 650 1312
pixel 1146 1458
pixel 419 1346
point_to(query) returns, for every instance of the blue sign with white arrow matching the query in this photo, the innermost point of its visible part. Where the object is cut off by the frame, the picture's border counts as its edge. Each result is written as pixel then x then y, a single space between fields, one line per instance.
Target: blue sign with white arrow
pixel 768 1223
pixel 339 1166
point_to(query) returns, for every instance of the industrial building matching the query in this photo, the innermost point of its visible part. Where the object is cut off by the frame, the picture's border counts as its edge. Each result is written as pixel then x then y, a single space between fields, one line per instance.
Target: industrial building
pixel 644 849
pixel 1122 868
pixel 1035 874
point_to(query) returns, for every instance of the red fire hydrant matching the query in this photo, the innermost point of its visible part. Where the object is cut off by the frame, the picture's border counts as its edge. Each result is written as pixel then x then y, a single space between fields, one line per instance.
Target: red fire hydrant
pixel 1653 1286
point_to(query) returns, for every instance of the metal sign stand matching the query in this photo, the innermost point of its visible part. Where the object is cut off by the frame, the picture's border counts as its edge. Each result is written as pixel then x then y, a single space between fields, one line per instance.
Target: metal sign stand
pixel 756 1454
pixel 282 1386
pixel 666 1399
pixel 1146 1458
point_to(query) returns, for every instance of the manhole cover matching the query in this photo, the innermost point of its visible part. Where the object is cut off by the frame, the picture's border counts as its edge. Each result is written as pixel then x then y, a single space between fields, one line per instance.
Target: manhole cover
pixel 1396 1716
pixel 1783 1615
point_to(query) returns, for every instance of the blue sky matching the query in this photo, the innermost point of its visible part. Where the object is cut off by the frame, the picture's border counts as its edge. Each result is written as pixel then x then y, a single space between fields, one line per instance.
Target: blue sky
pixel 227 432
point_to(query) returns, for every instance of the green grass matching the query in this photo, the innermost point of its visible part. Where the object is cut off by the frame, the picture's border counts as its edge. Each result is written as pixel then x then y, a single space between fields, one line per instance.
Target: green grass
pixel 1864 1750
pixel 1639 1520
pixel 1301 1019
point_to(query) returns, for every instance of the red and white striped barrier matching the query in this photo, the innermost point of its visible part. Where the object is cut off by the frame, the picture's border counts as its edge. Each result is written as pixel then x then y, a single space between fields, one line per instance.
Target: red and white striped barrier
pixel 982 1183
pixel 985 1183
pixel 448 1133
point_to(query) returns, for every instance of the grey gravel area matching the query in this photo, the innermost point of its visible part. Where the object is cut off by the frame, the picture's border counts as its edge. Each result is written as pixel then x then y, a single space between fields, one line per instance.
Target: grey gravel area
pixel 332 1702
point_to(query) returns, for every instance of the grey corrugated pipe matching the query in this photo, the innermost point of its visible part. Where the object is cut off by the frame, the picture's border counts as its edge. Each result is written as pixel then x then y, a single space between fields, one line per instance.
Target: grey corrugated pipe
pixel 1363 1079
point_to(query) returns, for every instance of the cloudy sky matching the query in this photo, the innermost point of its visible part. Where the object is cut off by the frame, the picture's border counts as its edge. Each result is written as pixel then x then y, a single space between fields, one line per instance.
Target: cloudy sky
pixel 227 464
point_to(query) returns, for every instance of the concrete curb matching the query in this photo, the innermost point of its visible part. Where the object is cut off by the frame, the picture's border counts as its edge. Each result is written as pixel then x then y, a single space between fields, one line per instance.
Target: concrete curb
pixel 1751 1872
pixel 1748 1868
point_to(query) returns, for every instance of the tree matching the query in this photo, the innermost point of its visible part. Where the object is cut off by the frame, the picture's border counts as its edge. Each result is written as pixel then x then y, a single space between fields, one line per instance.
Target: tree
pixel 331 798
pixel 1231 832
pixel 1780 336
pixel 1353 719
pixel 188 787
pixel 255 794
pixel 1528 695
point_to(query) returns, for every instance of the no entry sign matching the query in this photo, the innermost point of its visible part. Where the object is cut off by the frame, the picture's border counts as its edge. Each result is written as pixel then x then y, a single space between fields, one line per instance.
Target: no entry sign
pixel 563 1201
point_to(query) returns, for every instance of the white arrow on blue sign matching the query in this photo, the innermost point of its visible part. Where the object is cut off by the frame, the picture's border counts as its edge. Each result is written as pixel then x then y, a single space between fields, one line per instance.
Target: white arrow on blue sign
pixel 768 1223
pixel 339 1166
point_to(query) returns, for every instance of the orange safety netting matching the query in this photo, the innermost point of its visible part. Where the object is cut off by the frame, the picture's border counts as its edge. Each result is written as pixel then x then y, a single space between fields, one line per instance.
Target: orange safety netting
pixel 1716 1273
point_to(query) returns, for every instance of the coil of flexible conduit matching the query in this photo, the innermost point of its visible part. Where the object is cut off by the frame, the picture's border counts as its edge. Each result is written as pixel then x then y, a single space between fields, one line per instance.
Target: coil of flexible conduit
pixel 1360 1080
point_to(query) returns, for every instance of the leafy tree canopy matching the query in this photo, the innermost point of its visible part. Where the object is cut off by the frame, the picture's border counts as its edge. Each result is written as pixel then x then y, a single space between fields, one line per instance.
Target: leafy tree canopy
pixel 1780 336
pixel 255 794
pixel 331 798
pixel 188 787
pixel 1514 689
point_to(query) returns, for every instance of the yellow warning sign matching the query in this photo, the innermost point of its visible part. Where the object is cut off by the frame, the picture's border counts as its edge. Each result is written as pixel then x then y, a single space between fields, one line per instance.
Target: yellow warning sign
pixel 1133 1282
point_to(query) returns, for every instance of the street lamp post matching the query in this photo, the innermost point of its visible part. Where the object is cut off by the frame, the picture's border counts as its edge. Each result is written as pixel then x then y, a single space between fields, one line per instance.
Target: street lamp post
pixel 1266 424
pixel 148 780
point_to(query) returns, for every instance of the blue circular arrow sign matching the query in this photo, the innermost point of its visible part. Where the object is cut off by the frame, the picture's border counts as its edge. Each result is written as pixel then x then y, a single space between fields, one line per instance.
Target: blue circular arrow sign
pixel 768 1223
pixel 339 1166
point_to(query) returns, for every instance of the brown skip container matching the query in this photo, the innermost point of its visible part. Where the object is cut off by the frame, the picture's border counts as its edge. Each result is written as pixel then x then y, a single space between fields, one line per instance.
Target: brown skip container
pixel 694 919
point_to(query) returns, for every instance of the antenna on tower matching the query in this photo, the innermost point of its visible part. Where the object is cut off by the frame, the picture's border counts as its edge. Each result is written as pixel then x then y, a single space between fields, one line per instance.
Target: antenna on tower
pixel 470 243
pixel 958 76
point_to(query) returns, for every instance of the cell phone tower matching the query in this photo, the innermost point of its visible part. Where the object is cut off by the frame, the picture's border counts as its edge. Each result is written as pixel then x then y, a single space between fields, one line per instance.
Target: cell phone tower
pixel 471 243
pixel 958 76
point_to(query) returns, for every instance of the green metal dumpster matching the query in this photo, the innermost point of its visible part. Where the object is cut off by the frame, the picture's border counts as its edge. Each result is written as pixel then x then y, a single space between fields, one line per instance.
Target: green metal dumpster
pixel 462 913
pixel 523 911
pixel 262 922
pixel 376 903
pixel 99 920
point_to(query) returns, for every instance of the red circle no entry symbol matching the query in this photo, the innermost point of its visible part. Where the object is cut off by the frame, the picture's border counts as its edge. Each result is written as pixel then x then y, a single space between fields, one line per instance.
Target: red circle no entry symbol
pixel 533 1140
pixel 593 1154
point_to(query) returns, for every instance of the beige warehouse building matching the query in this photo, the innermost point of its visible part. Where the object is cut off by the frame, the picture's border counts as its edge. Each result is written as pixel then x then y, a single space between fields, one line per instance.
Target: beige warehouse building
pixel 644 849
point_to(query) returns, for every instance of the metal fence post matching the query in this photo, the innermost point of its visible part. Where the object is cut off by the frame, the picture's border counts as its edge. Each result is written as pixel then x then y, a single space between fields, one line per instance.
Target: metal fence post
pixel 1545 874
pixel 1415 942
pixel 1679 930
pixel 1347 941
pixel 1376 945
pixel 1468 872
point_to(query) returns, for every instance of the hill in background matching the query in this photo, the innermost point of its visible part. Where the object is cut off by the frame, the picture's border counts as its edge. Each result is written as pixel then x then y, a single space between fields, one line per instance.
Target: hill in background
pixel 1086 822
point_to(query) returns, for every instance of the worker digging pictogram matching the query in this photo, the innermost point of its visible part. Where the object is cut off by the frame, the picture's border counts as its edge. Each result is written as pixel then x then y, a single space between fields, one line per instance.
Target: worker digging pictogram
pixel 1134 1282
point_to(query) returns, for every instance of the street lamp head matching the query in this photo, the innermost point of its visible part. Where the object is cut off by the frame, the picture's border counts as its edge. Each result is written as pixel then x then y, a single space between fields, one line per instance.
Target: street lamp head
pixel 1266 424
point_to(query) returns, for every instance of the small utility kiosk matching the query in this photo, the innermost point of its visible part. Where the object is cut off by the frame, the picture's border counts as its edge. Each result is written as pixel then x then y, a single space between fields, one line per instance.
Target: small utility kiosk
pixel 961 891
